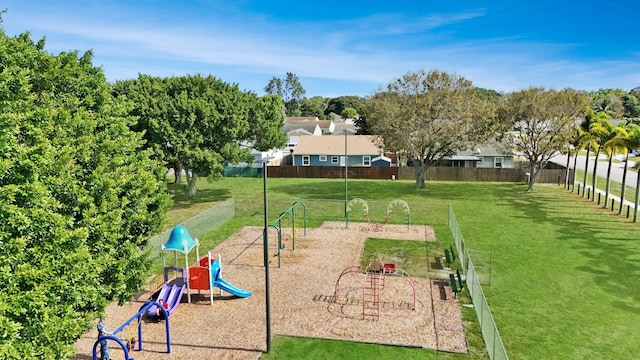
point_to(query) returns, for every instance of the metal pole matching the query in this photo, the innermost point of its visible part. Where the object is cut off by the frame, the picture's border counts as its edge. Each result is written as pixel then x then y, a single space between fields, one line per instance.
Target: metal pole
pixel 265 244
pixel 346 171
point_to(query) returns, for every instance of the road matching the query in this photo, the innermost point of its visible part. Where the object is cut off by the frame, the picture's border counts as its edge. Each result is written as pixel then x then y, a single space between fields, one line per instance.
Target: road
pixel 617 169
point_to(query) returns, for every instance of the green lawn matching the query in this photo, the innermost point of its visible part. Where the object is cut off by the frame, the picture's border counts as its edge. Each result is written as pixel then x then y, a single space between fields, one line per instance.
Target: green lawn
pixel 615 188
pixel 563 269
pixel 283 347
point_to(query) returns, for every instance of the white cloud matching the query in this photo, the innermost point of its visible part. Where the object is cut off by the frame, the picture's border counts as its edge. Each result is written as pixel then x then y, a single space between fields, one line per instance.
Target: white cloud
pixel 368 50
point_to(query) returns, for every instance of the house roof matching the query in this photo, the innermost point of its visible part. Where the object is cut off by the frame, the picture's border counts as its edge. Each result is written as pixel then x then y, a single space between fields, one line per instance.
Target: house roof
pixel 305 120
pixel 341 128
pixel 490 148
pixel 335 145
pixel 348 131
pixel 309 128
pixel 381 157
pixel 299 119
pixel 464 157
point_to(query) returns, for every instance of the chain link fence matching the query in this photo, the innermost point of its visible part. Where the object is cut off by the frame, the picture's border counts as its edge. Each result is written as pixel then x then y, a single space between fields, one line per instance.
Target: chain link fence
pixel 238 171
pixel 200 224
pixel 475 276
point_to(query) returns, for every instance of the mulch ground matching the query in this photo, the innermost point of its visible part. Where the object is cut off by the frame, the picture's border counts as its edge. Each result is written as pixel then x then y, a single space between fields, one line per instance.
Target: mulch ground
pixel 303 300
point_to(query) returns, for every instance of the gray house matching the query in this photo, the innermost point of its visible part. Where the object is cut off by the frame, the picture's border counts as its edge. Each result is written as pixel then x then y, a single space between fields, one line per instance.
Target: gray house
pixel 326 126
pixel 489 155
pixel 295 131
pixel 361 150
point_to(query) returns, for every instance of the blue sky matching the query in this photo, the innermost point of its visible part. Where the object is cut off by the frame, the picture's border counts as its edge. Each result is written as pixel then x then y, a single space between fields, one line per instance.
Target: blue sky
pixel 347 47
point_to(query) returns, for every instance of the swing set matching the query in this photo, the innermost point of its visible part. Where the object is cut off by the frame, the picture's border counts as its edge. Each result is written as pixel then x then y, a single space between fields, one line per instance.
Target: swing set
pixel 128 344
pixel 291 213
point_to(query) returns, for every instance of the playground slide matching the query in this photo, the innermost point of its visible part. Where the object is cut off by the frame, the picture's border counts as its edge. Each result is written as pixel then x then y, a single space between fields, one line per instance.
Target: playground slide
pixel 170 294
pixel 164 293
pixel 177 299
pixel 225 286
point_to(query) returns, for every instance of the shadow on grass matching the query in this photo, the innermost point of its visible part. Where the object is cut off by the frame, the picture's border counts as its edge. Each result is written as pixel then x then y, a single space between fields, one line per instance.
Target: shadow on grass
pixel 181 201
pixel 587 239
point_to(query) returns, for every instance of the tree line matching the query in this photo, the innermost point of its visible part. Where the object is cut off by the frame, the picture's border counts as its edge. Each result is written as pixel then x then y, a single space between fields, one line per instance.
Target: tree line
pixel 83 163
pixel 428 116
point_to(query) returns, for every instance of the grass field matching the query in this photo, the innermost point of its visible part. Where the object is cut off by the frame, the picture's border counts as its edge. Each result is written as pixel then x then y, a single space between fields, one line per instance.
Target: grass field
pixel 563 269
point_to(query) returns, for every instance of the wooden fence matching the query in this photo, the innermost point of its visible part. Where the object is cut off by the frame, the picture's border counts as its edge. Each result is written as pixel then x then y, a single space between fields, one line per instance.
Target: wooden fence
pixel 333 172
pixel 438 173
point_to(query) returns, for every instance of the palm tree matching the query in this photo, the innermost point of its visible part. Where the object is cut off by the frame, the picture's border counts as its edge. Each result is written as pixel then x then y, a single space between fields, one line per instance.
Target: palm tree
pixel 601 131
pixel 616 142
pixel 635 210
pixel 633 143
pixel 580 140
pixel 569 152
pixel 589 140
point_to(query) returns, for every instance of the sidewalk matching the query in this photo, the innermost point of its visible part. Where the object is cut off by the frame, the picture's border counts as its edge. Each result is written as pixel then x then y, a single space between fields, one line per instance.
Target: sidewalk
pixel 616 199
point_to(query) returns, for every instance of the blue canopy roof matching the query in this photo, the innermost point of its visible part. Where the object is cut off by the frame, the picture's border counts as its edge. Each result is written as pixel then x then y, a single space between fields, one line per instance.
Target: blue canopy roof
pixel 180 240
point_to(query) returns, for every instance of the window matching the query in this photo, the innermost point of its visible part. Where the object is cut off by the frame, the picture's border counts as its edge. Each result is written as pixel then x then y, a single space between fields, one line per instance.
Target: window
pixel 322 158
pixel 335 159
pixel 366 160
pixel 305 160
pixel 497 162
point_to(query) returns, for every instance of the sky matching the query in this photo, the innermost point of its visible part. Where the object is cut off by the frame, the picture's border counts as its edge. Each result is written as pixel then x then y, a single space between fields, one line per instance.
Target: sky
pixel 346 47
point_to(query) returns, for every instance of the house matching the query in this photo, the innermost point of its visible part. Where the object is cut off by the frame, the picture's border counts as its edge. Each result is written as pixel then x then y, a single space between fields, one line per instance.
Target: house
pixel 260 157
pixel 326 126
pixel 294 131
pixel 488 155
pixel 361 150
pixel 342 125
pixel 341 132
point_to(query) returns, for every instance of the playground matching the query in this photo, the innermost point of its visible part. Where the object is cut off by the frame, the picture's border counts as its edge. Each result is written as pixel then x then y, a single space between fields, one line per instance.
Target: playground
pixel 304 277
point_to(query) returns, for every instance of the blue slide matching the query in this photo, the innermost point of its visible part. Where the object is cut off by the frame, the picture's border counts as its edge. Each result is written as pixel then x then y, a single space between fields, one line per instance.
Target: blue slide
pixel 224 285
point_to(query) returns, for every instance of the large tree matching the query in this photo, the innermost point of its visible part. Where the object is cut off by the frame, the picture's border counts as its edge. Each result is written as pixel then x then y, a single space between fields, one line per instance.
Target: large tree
pixel 631 102
pixel 291 91
pixel 337 105
pixel 428 116
pixel 314 106
pixel 79 198
pixel 200 123
pixel 609 101
pixel 543 122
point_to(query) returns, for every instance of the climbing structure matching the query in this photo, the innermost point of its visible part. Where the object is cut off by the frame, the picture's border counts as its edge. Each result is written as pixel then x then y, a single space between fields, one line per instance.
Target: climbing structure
pixel 375 272
pixel 350 205
pixel 405 211
pixel 336 291
pixel 372 284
